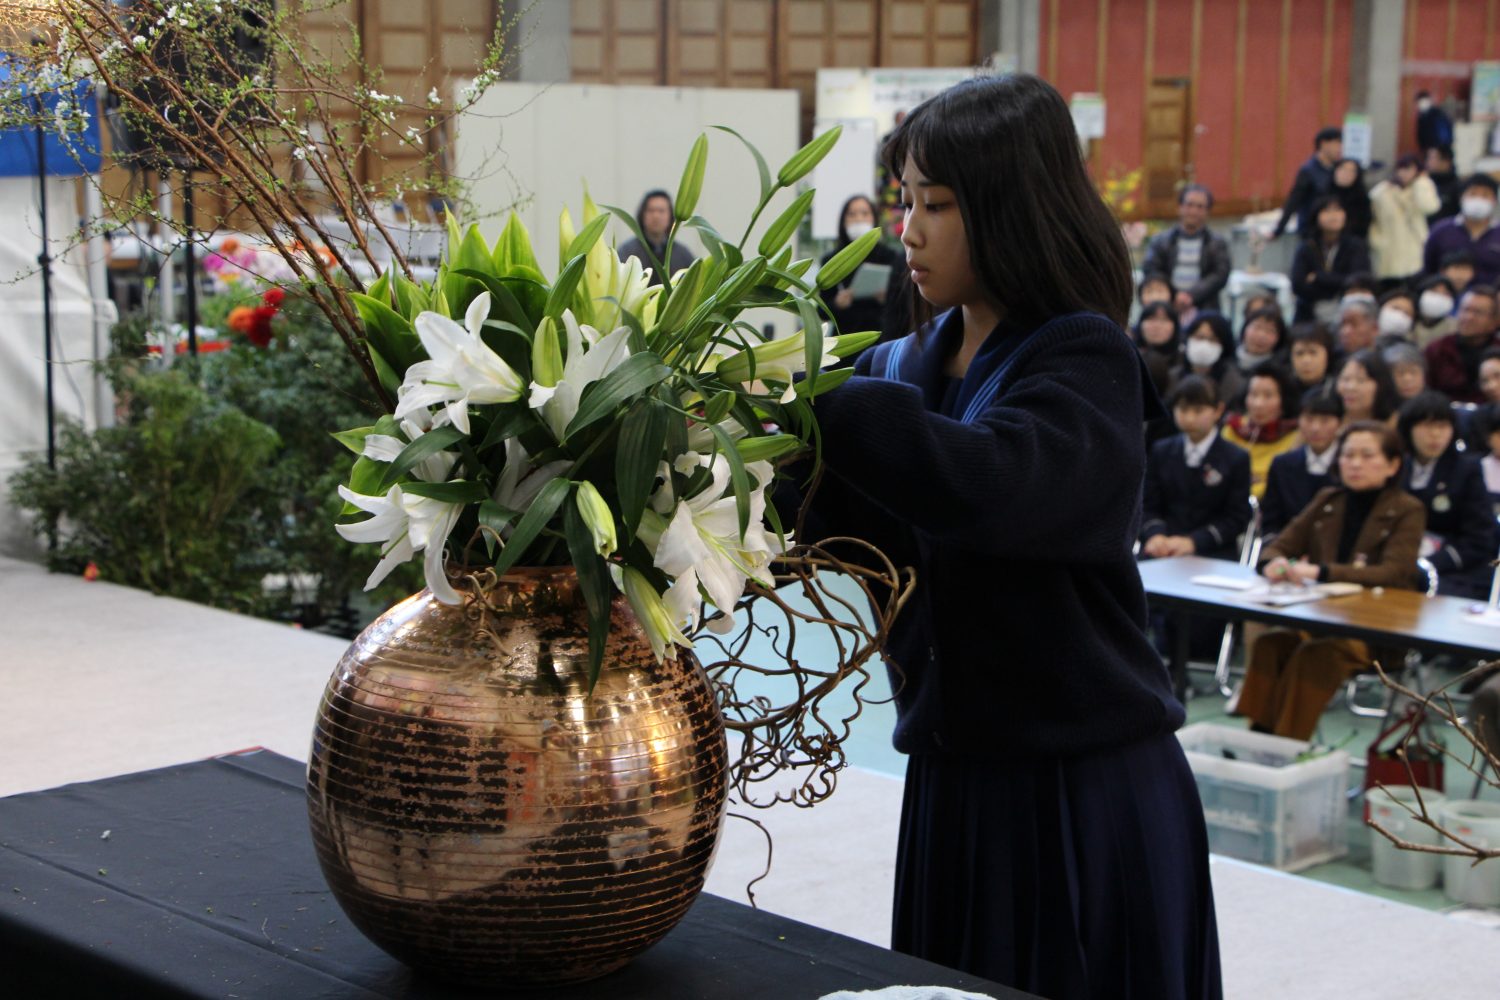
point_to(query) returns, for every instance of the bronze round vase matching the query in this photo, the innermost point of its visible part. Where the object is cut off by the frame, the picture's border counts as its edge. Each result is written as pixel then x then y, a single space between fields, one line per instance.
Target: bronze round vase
pixel 483 816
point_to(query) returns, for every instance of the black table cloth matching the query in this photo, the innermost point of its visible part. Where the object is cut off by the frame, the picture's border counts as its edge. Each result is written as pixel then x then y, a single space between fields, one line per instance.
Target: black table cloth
pixel 200 881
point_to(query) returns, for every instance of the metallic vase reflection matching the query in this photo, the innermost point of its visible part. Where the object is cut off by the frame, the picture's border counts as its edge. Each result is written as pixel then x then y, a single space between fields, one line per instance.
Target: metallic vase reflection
pixel 482 816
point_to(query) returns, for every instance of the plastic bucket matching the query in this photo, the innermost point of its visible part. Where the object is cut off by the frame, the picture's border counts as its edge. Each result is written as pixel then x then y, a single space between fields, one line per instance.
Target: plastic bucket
pixel 1394 866
pixel 1478 823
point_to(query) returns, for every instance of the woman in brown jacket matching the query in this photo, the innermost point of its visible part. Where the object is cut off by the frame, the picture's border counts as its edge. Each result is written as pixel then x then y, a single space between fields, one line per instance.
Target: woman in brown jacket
pixel 1366 531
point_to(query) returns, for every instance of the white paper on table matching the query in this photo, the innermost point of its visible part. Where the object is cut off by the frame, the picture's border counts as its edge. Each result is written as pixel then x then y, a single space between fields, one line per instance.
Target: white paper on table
pixel 1224 582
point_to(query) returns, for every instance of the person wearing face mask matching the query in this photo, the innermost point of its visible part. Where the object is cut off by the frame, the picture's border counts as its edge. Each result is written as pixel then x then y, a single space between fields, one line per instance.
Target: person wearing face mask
pixel 1397 316
pixel 1434 127
pixel 1209 352
pixel 1367 530
pixel 1399 207
pixel 867 312
pixel 1436 300
pixel 1453 362
pixel 1461 537
pixel 1474 230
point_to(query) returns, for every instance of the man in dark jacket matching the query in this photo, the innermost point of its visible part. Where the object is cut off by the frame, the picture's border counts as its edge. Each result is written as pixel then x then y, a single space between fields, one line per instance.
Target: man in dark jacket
pixel 1434 127
pixel 1314 178
pixel 1193 258
pixel 1445 179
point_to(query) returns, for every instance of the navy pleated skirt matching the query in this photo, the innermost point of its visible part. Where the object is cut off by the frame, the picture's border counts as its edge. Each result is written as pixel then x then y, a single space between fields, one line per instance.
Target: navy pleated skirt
pixel 1086 877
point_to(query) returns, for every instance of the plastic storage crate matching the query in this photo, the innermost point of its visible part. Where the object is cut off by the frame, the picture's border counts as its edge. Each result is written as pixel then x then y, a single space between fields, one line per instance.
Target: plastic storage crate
pixel 1263 805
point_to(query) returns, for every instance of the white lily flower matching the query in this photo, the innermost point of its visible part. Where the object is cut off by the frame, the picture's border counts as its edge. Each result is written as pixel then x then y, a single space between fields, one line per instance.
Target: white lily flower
pixel 461 369
pixel 520 481
pixel 404 525
pixel 590 358
pixel 386 448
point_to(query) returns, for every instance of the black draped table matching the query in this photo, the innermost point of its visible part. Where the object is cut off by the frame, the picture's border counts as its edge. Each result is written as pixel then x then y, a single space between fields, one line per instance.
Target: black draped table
pixel 200 881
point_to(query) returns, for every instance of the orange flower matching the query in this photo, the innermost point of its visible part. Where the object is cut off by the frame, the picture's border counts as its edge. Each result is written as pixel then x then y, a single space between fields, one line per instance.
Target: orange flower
pixel 240 318
pixel 91 571
pixel 229 246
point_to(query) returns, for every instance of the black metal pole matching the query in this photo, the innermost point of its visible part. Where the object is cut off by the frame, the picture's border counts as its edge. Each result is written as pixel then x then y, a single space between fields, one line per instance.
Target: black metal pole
pixel 192 277
pixel 45 260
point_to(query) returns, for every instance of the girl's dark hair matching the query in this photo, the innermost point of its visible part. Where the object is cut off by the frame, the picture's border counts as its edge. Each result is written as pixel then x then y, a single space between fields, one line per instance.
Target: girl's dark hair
pixel 1153 310
pixel 1193 390
pixel 1041 240
pixel 1315 230
pixel 1156 278
pixel 1323 400
pixel 1400 292
pixel 1408 160
pixel 1390 441
pixel 1312 332
pixel 1387 399
pixel 1272 316
pixel 1426 405
pixel 640 210
pixel 1220 327
pixel 1284 386
pixel 1436 280
pixel 843 230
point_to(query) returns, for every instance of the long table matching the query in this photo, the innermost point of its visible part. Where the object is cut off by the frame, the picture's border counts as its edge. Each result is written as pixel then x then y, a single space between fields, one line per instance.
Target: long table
pixel 200 881
pixel 1378 616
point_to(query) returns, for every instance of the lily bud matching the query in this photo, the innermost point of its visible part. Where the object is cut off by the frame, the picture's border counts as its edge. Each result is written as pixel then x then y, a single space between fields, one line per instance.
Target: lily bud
pixel 546 354
pixel 653 615
pixel 596 514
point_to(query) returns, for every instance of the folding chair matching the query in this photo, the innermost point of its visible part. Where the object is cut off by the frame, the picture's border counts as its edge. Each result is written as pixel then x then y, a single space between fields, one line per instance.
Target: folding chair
pixel 1249 553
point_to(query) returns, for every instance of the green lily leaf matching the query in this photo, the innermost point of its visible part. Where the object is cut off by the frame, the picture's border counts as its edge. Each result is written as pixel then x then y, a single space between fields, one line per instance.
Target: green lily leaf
pixel 425 446
pixel 737 476
pixel 760 161
pixel 532 522
pixel 643 435
pixel 593 580
pixel 635 375
pixel 588 236
pixel 567 283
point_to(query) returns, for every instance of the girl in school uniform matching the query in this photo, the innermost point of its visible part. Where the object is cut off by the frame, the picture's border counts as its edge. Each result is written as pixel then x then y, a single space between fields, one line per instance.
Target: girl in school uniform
pixel 1051 838
pixel 1367 531
pixel 1365 385
pixel 1461 539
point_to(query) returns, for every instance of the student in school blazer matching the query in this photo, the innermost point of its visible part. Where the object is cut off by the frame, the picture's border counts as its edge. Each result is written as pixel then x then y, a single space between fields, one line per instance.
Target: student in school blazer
pixel 1289 488
pixel 1209 504
pixel 1459 513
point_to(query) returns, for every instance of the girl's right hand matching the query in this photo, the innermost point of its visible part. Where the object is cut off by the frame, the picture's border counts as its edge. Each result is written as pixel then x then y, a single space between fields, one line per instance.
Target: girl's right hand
pixel 1277 569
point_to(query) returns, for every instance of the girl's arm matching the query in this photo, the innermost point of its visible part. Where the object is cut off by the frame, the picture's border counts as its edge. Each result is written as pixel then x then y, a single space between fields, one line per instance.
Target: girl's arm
pixel 1051 470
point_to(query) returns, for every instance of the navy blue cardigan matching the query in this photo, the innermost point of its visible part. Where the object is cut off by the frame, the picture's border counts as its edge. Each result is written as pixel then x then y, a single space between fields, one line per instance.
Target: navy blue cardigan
pixel 1459 512
pixel 1209 504
pixel 1026 636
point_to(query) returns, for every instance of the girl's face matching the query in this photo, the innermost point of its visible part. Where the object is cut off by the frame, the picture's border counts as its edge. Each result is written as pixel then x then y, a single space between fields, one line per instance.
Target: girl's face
pixel 1410 379
pixel 1345 173
pixel 937 245
pixel 859 211
pixel 1489 379
pixel 1319 430
pixel 1331 220
pixel 1431 438
pixel 1309 361
pixel 1263 401
pixel 1362 463
pixel 1157 330
pixel 1260 337
pixel 1357 389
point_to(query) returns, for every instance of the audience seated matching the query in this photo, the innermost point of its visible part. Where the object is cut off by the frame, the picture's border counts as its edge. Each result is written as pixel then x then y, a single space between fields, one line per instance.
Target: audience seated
pixel 1453 361
pixel 1365 385
pixel 1267 425
pixel 1209 353
pixel 1312 357
pixel 1366 531
pixel 1296 476
pixel 1461 539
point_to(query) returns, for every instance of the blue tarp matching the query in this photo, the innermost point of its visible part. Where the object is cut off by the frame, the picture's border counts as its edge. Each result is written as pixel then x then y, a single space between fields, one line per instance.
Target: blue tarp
pixel 65 158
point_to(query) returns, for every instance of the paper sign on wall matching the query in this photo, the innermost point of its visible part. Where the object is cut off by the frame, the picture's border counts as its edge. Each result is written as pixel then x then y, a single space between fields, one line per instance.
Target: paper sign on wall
pixel 1088 115
pixel 1357 137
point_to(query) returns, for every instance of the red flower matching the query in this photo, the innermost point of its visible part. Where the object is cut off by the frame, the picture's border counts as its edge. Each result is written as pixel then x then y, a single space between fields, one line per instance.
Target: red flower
pixel 273 297
pixel 91 571
pixel 259 332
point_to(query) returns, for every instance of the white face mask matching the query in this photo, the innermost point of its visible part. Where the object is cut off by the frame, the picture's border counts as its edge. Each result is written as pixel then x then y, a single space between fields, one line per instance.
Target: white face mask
pixel 1477 208
pixel 858 229
pixel 1394 321
pixel 1435 305
pixel 1204 353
